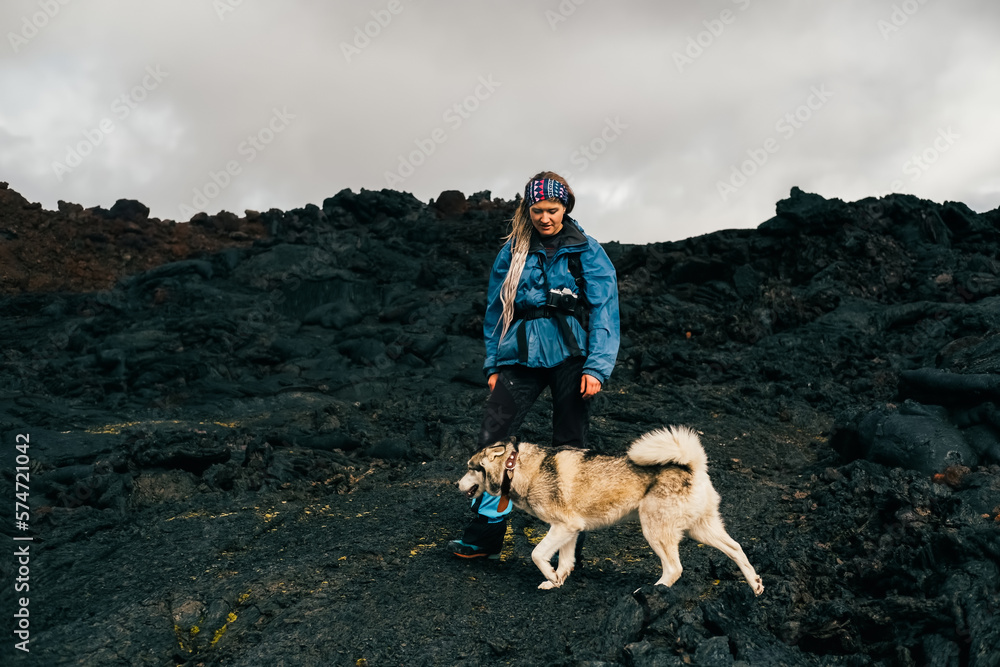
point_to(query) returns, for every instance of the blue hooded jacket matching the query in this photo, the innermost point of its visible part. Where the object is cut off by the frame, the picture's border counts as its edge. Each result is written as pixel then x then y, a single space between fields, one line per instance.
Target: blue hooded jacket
pixel 546 346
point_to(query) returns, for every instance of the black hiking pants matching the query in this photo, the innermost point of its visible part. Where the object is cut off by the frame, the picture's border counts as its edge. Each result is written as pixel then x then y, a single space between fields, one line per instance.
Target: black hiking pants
pixel 516 390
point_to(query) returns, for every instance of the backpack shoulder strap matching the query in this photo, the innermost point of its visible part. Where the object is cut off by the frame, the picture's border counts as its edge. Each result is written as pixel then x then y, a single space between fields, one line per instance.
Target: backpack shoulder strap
pixel 575 266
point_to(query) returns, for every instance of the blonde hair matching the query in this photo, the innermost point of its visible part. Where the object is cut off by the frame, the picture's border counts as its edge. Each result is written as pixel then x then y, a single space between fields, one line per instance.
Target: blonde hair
pixel 520 240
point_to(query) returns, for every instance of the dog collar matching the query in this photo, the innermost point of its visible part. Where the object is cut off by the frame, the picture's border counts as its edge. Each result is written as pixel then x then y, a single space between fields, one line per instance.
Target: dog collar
pixel 508 476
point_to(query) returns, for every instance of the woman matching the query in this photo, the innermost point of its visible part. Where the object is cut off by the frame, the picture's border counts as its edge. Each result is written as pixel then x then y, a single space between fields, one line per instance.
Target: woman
pixel 551 320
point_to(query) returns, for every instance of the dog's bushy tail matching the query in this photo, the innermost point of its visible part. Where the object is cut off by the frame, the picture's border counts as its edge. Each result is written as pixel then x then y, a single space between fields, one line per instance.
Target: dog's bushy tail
pixel 676 444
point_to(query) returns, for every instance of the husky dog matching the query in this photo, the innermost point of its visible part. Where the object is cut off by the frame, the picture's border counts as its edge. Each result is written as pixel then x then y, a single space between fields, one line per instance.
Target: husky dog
pixel 663 480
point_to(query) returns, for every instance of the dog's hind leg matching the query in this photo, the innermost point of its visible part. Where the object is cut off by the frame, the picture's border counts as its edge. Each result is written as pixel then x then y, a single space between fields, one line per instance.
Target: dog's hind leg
pixel 664 539
pixel 558 536
pixel 711 531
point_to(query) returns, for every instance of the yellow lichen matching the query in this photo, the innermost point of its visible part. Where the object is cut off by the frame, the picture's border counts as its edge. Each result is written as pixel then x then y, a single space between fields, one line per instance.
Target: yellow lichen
pixel 533 534
pixel 508 544
pixel 231 618
pixel 418 547
pixel 116 429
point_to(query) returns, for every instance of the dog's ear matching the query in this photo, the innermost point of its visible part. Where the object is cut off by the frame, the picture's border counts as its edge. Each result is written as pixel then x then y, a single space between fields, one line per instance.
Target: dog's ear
pixel 496 451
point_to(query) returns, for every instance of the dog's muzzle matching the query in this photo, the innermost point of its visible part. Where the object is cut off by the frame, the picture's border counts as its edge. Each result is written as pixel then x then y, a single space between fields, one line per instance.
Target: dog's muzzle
pixel 469 485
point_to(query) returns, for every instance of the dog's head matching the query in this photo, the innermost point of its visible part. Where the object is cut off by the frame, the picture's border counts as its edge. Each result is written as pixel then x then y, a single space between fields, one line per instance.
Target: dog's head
pixel 485 471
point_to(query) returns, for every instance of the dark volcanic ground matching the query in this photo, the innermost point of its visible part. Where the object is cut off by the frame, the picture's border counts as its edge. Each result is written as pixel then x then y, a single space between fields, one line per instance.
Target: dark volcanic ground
pixel 245 433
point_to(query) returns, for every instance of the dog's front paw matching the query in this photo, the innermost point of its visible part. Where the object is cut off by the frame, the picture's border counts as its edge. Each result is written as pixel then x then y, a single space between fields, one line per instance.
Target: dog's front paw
pixel 548 585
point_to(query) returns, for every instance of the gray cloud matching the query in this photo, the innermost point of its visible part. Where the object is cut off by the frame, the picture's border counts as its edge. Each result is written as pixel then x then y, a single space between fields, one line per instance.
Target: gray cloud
pixel 647 106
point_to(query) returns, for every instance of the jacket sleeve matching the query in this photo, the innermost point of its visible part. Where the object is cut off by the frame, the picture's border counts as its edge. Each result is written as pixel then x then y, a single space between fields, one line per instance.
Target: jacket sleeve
pixel 604 335
pixel 494 310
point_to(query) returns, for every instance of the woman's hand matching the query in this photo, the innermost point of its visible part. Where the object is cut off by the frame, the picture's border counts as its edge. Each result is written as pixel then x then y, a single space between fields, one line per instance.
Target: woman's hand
pixel 492 381
pixel 589 386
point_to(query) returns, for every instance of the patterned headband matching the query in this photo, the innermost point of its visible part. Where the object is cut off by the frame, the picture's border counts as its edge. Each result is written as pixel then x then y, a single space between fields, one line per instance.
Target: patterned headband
pixel 545 188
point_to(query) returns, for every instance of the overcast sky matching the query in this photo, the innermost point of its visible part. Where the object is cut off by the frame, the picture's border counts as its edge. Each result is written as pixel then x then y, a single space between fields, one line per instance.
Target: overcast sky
pixel 670 119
